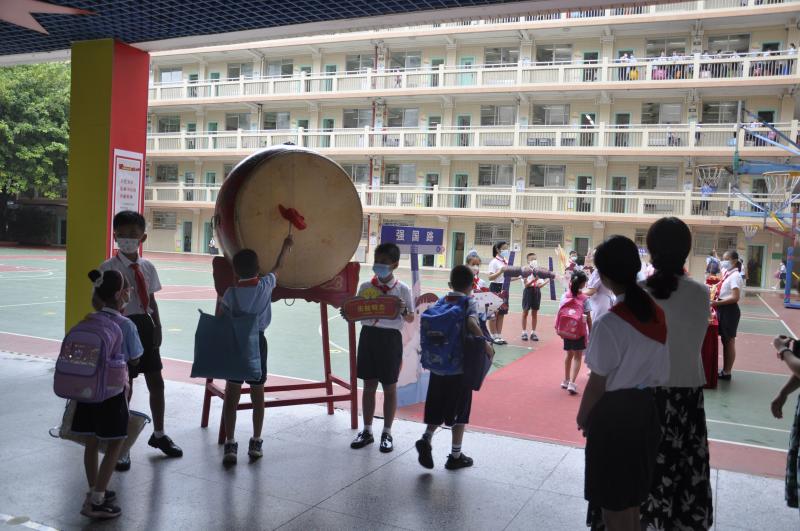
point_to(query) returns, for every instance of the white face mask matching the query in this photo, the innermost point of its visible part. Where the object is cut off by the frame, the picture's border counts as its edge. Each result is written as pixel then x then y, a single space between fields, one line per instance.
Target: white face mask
pixel 128 245
pixel 534 263
pixel 475 270
pixel 726 264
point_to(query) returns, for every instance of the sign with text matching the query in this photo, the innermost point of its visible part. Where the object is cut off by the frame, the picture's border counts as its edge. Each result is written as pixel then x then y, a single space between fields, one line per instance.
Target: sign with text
pixel 127 185
pixel 417 240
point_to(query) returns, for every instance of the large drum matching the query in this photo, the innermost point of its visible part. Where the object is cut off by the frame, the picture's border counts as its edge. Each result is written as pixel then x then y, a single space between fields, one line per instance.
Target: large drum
pixel 247 214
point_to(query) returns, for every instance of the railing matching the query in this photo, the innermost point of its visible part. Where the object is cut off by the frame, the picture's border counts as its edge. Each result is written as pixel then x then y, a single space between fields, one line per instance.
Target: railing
pixel 612 137
pixel 513 75
pixel 505 199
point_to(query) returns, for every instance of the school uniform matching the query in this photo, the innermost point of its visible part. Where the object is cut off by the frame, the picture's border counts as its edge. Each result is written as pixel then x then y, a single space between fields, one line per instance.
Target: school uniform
pixel 143 279
pixel 497 263
pixel 109 419
pixel 729 314
pixel 532 295
pixel 603 300
pixel 380 343
pixel 449 401
pixel 254 296
pixel 623 429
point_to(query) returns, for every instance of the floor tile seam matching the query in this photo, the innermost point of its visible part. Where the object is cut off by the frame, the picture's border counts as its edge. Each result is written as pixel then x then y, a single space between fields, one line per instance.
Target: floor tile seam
pixel 524 505
pixel 563 457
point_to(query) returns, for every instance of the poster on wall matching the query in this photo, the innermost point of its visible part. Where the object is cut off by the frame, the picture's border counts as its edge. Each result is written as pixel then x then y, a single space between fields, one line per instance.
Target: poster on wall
pixel 127 187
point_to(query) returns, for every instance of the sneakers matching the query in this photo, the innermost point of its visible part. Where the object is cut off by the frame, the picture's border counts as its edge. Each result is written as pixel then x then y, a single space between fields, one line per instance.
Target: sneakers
pixel 231 448
pixel 123 463
pixel 104 511
pixel 165 444
pixel 425 453
pixel 454 463
pixel 254 449
pixel 500 341
pixel 534 337
pixel 565 384
pixel 362 439
pixel 572 388
pixel 524 336
pixel 723 376
pixel 387 444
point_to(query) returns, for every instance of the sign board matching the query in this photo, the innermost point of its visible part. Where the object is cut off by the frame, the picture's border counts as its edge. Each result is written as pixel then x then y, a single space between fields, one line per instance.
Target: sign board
pixel 777 256
pixel 127 186
pixel 415 240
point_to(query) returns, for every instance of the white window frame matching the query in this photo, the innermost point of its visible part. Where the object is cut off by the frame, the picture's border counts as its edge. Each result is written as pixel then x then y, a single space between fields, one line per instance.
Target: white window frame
pixel 544 236
pixel 489 233
pixel 165 220
pixel 496 175
pixel 553 175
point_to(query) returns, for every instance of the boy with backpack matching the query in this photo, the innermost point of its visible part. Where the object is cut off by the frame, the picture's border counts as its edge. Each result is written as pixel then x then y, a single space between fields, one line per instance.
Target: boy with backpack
pixel 449 397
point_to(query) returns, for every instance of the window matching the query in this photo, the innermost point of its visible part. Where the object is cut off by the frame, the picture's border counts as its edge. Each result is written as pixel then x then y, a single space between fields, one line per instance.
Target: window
pixel 705 242
pixel 729 43
pixel 167 173
pixel 365 228
pixel 402 117
pixel 554 53
pixel 169 124
pixel 544 236
pixel 550 114
pixel 658 177
pixel 640 238
pixel 357 118
pixel 501 56
pixel 401 174
pixel 237 70
pixel 359 62
pixel 488 233
pixel 498 114
pixel 405 60
pixel 237 121
pixel 720 112
pixel 495 174
pixel 165 220
pixel 668 45
pixel 277 120
pixel 171 75
pixel 280 67
pixel 359 173
pixel 547 176
pixel 661 113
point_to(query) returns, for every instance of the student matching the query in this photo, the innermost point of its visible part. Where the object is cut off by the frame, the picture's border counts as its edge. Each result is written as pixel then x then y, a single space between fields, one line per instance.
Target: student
pixel 712 264
pixel 780 276
pixel 532 298
pixel 380 348
pixel 574 348
pixel 788 353
pixel 141 275
pixel 682 470
pixel 448 400
pixel 726 302
pixel 572 264
pixel 601 299
pixel 474 263
pixel 108 420
pixel 627 355
pixel 497 266
pixel 251 295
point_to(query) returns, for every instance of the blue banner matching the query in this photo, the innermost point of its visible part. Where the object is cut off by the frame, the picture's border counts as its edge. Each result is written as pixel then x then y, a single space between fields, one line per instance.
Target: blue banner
pixel 417 240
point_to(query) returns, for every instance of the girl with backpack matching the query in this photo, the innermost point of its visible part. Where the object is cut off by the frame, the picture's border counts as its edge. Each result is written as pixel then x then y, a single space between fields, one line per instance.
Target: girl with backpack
pixel 628 355
pixel 106 420
pixel 573 323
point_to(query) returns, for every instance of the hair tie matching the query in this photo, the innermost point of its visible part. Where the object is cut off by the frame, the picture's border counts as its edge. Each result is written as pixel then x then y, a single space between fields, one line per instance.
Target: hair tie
pixel 99 282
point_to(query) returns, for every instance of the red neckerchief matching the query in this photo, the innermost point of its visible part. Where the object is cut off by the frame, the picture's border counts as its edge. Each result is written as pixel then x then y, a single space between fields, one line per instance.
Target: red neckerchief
pixel 247 283
pixel 475 282
pixel 655 328
pixel 383 287
pixel 500 257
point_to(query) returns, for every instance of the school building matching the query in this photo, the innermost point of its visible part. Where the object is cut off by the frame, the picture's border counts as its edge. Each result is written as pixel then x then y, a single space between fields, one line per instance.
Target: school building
pixel 556 128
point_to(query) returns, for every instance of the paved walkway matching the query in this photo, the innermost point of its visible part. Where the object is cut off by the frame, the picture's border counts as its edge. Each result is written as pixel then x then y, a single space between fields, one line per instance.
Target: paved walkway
pixel 309 477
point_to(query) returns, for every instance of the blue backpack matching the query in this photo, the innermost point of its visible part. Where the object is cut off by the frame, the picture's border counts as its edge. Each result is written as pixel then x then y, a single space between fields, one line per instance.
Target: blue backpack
pixel 442 335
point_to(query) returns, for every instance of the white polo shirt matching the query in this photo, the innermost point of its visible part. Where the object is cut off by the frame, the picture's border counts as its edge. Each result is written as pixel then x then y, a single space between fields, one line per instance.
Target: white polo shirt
pixel 121 263
pixel 603 300
pixel 732 280
pixel 397 289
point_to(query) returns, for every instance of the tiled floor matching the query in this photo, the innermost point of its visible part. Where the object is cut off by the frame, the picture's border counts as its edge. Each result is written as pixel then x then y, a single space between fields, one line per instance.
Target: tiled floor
pixel 309 477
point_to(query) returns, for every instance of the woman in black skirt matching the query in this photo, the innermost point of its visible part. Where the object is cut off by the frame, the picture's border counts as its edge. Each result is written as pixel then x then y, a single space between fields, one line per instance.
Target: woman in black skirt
pixel 628 355
pixel 680 497
pixel 726 302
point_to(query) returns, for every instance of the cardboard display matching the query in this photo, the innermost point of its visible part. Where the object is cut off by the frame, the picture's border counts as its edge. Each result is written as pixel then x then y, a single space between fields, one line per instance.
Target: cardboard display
pixel 366 308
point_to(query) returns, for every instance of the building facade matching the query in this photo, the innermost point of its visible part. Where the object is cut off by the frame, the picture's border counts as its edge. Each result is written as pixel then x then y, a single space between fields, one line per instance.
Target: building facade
pixel 558 128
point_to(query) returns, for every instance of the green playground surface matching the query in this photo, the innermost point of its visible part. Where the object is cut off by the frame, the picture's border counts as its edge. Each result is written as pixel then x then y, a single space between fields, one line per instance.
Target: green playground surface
pixel 32 304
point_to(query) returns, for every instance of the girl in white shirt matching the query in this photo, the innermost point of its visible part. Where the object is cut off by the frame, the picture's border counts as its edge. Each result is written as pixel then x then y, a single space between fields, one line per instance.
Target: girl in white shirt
pixel 726 302
pixel 497 266
pixel 627 355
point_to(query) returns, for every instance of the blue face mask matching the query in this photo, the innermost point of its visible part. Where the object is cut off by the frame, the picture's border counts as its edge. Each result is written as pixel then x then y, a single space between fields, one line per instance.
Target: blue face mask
pixel 382 270
pixel 505 254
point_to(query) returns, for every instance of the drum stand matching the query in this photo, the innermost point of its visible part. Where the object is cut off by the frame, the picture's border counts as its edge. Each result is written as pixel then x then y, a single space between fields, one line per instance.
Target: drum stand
pixel 334 293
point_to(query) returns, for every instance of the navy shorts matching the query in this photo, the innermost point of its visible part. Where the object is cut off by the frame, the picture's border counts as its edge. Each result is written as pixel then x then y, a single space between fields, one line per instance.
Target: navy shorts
pixel 105 420
pixel 448 401
pixel 151 358
pixel 380 354
pixel 262 348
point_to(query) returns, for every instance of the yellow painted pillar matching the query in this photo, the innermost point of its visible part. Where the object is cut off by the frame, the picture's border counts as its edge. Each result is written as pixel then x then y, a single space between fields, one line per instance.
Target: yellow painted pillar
pixel 108 121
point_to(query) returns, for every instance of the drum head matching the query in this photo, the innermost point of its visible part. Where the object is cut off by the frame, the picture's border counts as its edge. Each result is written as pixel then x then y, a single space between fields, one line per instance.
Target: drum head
pixel 322 192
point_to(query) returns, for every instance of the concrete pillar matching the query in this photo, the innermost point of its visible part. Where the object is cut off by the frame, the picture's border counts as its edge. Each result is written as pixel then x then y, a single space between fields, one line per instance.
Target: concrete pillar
pixel 451 54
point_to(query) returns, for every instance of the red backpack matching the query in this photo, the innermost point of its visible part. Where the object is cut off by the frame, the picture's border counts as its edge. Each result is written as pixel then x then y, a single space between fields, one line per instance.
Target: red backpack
pixel 570 319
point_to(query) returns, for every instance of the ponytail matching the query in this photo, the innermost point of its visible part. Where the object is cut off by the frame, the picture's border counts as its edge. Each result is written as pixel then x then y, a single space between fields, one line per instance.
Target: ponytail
pixel 576 282
pixel 669 242
pixel 106 285
pixel 618 259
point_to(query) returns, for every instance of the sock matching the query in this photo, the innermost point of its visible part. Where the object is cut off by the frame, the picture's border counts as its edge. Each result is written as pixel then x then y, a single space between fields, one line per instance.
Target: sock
pixel 158 434
pixel 98 497
pixel 456 451
pixel 257 439
pixel 230 440
pixel 387 430
pixel 367 428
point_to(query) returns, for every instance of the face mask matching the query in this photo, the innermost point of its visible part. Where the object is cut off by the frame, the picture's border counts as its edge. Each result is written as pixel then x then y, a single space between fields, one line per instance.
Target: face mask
pixel 534 264
pixel 505 254
pixel 572 258
pixel 726 264
pixel 382 270
pixel 128 245
pixel 475 270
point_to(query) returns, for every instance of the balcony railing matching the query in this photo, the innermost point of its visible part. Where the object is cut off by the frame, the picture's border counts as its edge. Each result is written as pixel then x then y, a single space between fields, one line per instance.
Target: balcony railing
pixel 458 201
pixel 660 138
pixel 443 77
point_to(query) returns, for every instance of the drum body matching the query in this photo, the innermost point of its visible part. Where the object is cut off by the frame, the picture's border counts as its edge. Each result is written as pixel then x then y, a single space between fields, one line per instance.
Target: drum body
pixel 247 215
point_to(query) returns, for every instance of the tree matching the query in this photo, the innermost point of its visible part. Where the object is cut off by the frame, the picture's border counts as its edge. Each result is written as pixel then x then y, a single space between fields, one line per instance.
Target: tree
pixel 34 131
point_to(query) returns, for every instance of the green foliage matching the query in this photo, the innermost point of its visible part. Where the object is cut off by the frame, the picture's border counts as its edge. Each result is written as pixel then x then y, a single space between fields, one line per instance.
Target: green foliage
pixel 34 128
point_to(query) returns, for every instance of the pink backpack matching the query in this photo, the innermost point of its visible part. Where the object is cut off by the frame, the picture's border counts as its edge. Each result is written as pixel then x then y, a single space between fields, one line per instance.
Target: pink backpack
pixel 91 366
pixel 570 320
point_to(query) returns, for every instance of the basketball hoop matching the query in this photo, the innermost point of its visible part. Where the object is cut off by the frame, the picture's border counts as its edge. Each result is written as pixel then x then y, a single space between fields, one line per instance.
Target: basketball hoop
pixel 749 231
pixel 710 175
pixel 780 186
